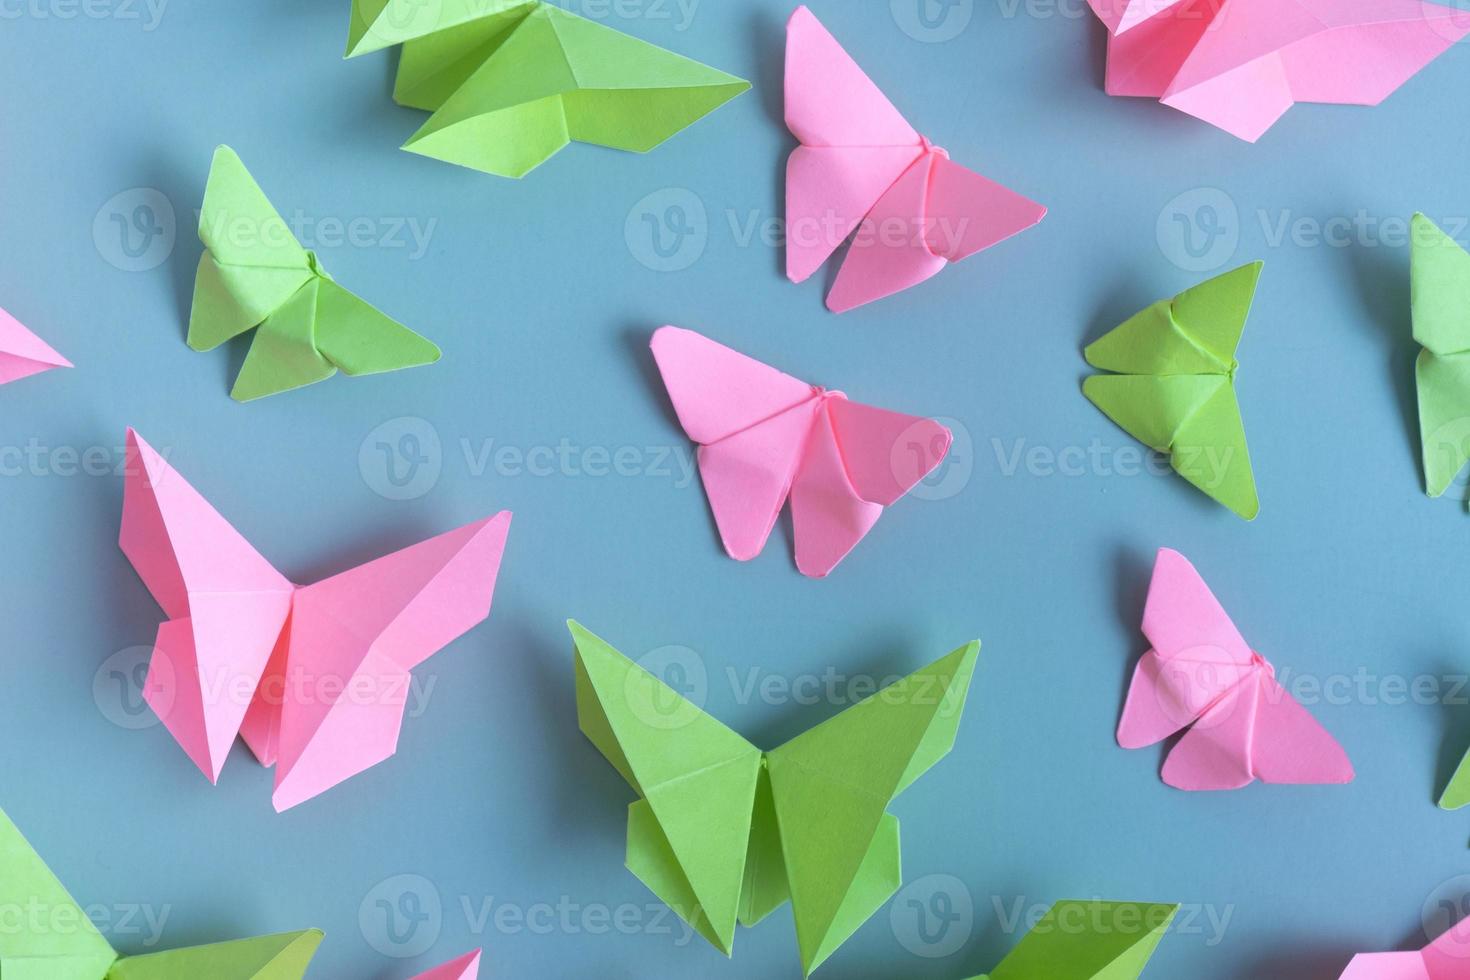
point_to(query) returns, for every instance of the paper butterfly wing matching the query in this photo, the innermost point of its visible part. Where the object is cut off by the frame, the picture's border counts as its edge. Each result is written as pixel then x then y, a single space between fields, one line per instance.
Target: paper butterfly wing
pixel 433 67
pixel 688 833
pixel 283 355
pixel 1440 292
pixel 75 953
pixel 1448 957
pixel 22 353
pixel 1289 746
pixel 226 605
pixel 1215 754
pixel 359 339
pixel 1123 15
pixel 1144 60
pixel 355 637
pixel 467 967
pixel 281 957
pixel 1087 941
pixel 379 24
pixel 832 786
pixel 1390 966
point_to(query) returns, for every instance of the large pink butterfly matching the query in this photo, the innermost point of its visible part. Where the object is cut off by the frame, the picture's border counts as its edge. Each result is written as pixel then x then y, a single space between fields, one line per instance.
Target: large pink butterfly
pixel 764 436
pixel 314 678
pixel 1202 674
pixel 861 167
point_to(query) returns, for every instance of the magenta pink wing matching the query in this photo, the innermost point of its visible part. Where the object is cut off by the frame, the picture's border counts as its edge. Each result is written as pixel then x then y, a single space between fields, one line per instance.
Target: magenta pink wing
pixel 1182 617
pixel 1290 746
pixel 968 213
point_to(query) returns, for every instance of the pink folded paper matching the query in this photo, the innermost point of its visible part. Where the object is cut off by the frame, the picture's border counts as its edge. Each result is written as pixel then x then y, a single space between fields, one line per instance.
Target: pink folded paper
pixel 22 353
pixel 314 678
pixel 764 436
pixel 467 967
pixel 1447 958
pixel 861 167
pixel 1240 64
pixel 1202 674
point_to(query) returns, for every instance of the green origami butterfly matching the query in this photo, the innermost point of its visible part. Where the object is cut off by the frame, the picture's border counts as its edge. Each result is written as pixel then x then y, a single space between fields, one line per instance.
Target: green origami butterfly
pixel 511 82
pixel 724 832
pixel 1440 294
pixel 1174 386
pixel 254 273
pixel 1088 941
pixel 49 937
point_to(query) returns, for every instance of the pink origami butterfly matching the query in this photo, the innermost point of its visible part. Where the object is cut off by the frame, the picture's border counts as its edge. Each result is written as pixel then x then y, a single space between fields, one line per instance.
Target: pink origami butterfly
pixel 315 678
pixel 861 167
pixel 1201 674
pixel 764 436
pixel 1240 64
pixel 1447 958
pixel 22 353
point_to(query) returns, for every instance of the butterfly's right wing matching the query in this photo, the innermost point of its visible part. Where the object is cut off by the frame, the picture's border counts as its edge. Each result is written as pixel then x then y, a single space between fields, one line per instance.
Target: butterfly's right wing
pixel 281 957
pixel 689 833
pixel 1088 941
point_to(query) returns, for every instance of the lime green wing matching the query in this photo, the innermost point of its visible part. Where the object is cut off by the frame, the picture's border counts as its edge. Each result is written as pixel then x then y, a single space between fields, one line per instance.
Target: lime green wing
pixel 688 834
pixel 432 68
pixel 282 957
pixel 1444 417
pixel 252 261
pixel 1457 793
pixel 831 788
pixel 62 944
pixel 556 77
pixel 1089 941
pixel 379 24
pixel 1439 277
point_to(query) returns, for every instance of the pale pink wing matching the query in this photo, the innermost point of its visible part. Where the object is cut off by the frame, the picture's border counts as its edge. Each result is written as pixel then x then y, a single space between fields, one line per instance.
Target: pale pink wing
pixel 1290 746
pixel 1215 753
pixel 1393 966
pixel 886 454
pixel 828 515
pixel 717 391
pixel 855 144
pixel 1182 615
pixel 467 967
pixel 355 637
pixel 1448 957
pixel 22 353
pixel 227 606
pixel 1124 15
pixel 968 213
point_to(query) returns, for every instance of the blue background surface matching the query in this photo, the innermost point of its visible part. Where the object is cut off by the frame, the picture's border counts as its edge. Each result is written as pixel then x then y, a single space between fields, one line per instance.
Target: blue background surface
pixel 542 296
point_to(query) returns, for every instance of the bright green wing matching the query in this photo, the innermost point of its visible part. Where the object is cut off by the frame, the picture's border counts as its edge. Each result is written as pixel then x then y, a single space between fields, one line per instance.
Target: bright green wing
pixel 282 957
pixel 46 935
pixel 1089 941
pixel 688 836
pixel 361 340
pixel 1439 289
pixel 1457 793
pixel 764 889
pixel 283 355
pixel 1444 417
pixel 1214 313
pixel 432 68
pixel 832 787
pixel 378 24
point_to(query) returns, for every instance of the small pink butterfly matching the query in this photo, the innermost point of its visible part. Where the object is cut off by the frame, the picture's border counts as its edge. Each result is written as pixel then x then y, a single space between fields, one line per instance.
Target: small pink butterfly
pixel 861 167
pixel 1202 673
pixel 764 436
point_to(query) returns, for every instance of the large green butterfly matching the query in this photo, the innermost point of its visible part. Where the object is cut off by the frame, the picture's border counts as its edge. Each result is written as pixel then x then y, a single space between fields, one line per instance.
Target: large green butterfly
pixel 1088 941
pixel 1174 386
pixel 254 273
pixel 1440 295
pixel 50 937
pixel 724 832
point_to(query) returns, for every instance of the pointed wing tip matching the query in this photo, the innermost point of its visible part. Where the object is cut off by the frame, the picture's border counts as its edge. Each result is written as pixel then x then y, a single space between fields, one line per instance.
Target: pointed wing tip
pixel 801 16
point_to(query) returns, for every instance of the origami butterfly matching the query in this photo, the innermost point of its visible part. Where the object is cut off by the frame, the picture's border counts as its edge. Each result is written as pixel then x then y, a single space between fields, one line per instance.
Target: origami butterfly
pixel 1174 389
pixel 22 353
pixel 324 668
pixel 254 274
pixel 1447 958
pixel 861 167
pixel 1240 64
pixel 723 832
pixel 1440 291
pixel 467 967
pixel 1203 676
pixel 1088 941
pixel 63 944
pixel 511 82
pixel 764 436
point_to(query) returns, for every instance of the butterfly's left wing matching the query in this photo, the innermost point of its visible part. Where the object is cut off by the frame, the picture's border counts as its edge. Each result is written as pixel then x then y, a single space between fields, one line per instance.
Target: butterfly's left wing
pixel 281 957
pixel 353 640
pixel 22 353
pixel 1089 941
pixel 831 788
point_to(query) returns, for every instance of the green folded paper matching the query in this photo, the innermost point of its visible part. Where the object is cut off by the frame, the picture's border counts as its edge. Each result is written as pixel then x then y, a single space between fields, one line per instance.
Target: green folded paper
pixel 1174 384
pixel 1088 941
pixel 1440 296
pixel 511 82
pixel 255 274
pixel 723 832
pixel 47 936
